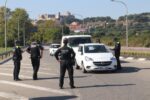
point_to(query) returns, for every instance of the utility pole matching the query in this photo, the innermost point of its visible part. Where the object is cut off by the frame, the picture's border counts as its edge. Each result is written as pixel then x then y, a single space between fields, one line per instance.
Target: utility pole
pixel 5 17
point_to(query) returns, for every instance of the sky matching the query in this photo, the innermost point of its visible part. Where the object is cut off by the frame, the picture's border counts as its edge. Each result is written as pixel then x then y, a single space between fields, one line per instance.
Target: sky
pixel 80 8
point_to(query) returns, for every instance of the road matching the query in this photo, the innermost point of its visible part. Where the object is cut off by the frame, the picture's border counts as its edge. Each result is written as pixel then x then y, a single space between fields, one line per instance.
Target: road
pixel 132 83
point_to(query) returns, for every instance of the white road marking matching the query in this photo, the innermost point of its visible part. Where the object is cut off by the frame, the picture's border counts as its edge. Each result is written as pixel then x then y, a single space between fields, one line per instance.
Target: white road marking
pixel 35 87
pixel 11 75
pixel 12 96
pixel 22 66
pixel 142 59
pixel 121 57
pixel 40 72
pixel 129 58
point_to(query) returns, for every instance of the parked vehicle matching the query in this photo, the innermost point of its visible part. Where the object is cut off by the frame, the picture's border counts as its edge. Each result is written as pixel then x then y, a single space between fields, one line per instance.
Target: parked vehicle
pixel 95 57
pixel 75 40
pixel 53 47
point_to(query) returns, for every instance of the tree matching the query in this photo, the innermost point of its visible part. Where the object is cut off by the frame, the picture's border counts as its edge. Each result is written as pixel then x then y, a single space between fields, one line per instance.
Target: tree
pixel 48 31
pixel 19 18
pixel 2 23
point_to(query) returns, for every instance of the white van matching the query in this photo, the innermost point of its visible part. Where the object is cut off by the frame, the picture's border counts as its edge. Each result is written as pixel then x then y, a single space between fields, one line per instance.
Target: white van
pixel 75 40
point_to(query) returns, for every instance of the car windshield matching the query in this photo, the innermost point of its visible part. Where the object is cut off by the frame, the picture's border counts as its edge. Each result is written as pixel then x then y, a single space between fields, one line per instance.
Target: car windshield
pixel 75 41
pixel 95 49
pixel 55 46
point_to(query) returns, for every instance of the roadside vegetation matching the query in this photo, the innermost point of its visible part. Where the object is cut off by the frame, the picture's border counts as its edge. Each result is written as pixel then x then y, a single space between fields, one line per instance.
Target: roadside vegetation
pixel 144 54
pixel 2 50
pixel 103 28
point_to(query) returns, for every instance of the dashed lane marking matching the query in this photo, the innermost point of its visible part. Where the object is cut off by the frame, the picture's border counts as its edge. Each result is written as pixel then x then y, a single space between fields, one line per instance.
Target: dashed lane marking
pixel 121 57
pixel 12 96
pixel 35 87
pixel 142 59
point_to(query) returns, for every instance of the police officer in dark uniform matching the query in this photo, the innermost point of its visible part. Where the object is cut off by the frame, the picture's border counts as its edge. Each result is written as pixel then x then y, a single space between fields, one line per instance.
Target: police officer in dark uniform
pixel 17 57
pixel 98 40
pixel 66 56
pixel 36 54
pixel 117 53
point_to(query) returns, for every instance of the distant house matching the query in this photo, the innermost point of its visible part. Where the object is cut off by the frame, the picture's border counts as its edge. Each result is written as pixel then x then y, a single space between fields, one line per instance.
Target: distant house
pixel 54 17
pixel 76 27
pixel 47 17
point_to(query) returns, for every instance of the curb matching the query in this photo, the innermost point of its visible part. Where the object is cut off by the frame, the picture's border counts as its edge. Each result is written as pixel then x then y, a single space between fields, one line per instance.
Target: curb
pixel 133 58
pixel 5 60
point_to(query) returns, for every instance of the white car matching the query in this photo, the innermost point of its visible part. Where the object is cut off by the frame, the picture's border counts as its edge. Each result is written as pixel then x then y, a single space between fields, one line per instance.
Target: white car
pixel 95 57
pixel 53 48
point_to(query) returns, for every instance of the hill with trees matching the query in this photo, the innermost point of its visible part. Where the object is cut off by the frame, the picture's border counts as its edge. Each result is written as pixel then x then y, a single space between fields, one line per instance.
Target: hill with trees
pixel 48 31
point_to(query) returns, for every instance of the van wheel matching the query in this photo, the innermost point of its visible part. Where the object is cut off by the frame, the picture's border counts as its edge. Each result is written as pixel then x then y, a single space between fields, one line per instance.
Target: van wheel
pixel 77 66
pixel 83 68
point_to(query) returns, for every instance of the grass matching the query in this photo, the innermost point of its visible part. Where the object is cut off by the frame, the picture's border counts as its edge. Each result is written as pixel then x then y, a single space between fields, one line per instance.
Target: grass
pixel 3 49
pixel 136 53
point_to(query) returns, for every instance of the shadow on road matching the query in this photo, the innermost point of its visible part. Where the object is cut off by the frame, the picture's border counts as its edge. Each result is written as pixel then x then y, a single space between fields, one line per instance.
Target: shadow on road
pixel 54 98
pixel 122 61
pixel 128 70
pixel 123 70
pixel 131 69
pixel 107 85
pixel 5 61
pixel 48 78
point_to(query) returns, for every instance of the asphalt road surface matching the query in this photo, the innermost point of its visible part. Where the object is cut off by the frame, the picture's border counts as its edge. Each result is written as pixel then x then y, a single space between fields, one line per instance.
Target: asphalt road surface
pixel 131 83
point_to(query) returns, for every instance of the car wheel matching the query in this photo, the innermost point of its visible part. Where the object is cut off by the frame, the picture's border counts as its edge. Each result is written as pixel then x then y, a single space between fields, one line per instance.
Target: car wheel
pixel 83 68
pixel 76 65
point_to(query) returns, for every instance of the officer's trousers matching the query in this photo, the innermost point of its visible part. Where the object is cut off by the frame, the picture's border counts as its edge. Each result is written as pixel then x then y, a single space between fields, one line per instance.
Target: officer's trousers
pixel 66 65
pixel 35 64
pixel 16 69
pixel 118 62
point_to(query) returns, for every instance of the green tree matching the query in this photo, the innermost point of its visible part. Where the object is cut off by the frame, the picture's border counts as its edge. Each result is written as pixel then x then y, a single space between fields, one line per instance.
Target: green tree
pixel 48 31
pixel 19 18
pixel 2 23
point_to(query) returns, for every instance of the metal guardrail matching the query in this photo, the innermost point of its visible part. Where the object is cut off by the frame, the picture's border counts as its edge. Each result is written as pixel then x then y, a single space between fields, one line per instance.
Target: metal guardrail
pixel 5 54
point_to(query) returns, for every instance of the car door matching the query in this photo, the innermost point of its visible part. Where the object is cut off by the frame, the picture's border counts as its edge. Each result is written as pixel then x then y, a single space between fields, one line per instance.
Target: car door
pixel 79 55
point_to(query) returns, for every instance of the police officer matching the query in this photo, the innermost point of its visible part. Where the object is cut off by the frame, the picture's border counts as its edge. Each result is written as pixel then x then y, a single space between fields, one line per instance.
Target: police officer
pixel 36 53
pixel 66 56
pixel 17 57
pixel 98 40
pixel 117 49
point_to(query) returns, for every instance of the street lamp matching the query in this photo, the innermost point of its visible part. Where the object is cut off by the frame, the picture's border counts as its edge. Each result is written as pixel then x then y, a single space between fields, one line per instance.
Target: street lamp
pixel 24 34
pixel 62 31
pixel 126 19
pixel 18 29
pixel 5 17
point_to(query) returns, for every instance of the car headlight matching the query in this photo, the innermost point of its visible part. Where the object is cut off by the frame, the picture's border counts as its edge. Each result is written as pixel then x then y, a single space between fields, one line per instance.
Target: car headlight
pixel 88 58
pixel 112 58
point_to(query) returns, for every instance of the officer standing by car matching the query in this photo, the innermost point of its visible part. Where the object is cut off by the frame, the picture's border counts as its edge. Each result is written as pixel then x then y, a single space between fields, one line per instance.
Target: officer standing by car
pixel 17 57
pixel 117 49
pixel 98 40
pixel 66 58
pixel 36 53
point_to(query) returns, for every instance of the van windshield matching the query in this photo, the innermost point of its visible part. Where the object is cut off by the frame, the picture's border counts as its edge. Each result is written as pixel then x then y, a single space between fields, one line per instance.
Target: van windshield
pixel 75 41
